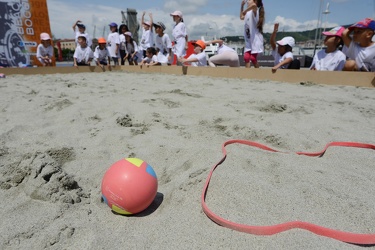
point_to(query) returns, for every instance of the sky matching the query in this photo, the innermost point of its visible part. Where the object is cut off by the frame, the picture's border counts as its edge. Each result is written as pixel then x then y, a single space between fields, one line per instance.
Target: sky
pixel 209 18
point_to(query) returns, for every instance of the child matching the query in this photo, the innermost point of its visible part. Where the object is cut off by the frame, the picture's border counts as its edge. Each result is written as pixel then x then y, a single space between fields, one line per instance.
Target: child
pixel 199 57
pixel 113 43
pixel 224 55
pixel 179 34
pixel 163 43
pixel 147 39
pixel 131 49
pixel 101 53
pixel 283 55
pixel 361 48
pixel 123 28
pixel 254 21
pixel 83 54
pixel 331 58
pixel 151 59
pixel 44 51
pixel 81 31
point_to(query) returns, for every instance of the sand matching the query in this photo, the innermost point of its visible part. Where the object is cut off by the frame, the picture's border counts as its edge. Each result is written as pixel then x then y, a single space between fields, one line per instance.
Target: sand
pixel 60 133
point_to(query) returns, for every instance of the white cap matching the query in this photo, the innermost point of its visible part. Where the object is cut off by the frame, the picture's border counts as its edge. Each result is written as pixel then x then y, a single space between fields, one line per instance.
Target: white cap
pixel 288 40
pixel 44 36
pixel 128 33
pixel 177 13
pixel 147 23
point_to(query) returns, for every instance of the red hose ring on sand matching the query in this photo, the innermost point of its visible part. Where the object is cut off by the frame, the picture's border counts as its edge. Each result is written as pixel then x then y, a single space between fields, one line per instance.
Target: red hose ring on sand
pixel 274 229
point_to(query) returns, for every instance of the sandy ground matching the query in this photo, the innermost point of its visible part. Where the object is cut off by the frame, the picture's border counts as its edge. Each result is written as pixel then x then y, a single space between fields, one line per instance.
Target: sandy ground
pixel 60 133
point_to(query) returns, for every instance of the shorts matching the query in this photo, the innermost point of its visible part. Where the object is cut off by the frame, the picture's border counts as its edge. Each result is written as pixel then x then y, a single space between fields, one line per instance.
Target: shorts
pixel 247 57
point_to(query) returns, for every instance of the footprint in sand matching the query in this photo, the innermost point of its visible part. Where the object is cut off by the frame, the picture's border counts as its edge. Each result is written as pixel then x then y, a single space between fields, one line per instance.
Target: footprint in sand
pixel 40 176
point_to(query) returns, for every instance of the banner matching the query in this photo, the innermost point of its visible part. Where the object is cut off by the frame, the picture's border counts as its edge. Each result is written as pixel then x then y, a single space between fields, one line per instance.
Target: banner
pixel 21 22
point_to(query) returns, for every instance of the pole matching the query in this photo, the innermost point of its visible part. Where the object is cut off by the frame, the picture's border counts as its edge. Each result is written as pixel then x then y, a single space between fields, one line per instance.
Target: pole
pixel 319 20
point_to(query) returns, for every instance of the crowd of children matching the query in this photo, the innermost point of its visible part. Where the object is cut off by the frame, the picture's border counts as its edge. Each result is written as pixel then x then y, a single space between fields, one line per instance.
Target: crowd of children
pixel 350 49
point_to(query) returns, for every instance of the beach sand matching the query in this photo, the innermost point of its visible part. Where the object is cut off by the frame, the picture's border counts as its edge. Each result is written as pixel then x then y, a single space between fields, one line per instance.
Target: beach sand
pixel 60 133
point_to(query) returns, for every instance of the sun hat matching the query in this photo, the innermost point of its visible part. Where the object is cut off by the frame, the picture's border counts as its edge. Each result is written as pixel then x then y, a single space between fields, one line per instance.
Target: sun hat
pixel 337 31
pixel 128 33
pixel 366 23
pixel 288 40
pixel 81 25
pixel 113 24
pixel 44 36
pixel 159 24
pixel 200 43
pixel 102 40
pixel 177 13
pixel 147 23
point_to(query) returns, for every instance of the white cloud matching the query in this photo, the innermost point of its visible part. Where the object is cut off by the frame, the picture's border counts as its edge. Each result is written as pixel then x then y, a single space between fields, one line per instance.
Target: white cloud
pixel 189 6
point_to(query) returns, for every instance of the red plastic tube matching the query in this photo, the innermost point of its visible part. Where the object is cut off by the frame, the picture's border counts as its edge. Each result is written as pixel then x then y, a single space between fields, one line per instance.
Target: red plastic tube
pixel 365 239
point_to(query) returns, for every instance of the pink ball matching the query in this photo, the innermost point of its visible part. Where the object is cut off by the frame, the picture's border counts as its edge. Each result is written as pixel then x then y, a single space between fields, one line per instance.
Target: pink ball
pixel 129 186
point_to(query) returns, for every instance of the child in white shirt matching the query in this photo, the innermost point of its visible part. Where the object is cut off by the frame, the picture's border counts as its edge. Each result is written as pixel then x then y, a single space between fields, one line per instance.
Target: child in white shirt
pixel 131 49
pixel 101 54
pixel 147 39
pixel 83 54
pixel 113 43
pixel 163 44
pixel 361 48
pixel 81 31
pixel 224 55
pixel 197 59
pixel 151 59
pixel 44 51
pixel 282 53
pixel 179 34
pixel 122 29
pixel 331 58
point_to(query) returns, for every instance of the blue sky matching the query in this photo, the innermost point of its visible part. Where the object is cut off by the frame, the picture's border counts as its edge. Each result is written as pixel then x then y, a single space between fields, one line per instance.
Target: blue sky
pixel 206 17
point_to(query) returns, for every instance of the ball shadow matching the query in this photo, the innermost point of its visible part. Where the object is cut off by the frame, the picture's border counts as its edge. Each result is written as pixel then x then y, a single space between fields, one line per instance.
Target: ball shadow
pixel 153 206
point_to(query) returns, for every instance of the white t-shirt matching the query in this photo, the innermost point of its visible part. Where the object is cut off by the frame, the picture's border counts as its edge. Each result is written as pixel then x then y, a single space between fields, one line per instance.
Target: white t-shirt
pixel 279 59
pixel 363 56
pixel 113 39
pixel 43 51
pixel 83 54
pixel 88 40
pixel 202 60
pixel 224 48
pixel 101 55
pixel 246 33
pixel 122 41
pixel 179 33
pixel 163 43
pixel 256 38
pixel 154 58
pixel 131 48
pixel 334 61
pixel 147 39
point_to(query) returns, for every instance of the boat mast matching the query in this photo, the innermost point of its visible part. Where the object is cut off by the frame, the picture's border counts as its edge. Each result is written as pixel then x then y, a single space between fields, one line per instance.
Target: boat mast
pixel 317 31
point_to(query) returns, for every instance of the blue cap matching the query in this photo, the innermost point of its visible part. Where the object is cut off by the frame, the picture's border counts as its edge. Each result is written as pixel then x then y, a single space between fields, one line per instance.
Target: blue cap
pixel 113 24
